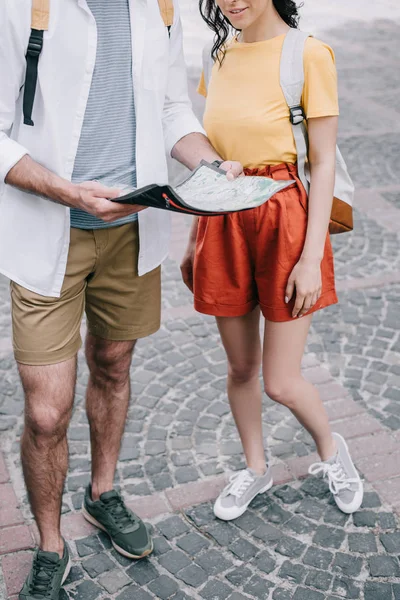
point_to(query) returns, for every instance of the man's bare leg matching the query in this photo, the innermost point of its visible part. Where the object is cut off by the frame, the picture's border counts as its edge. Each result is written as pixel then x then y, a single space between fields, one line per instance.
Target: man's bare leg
pixel 49 392
pixel 107 403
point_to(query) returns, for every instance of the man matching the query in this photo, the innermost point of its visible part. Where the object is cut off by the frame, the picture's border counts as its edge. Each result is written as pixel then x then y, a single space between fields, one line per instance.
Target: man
pixel 111 94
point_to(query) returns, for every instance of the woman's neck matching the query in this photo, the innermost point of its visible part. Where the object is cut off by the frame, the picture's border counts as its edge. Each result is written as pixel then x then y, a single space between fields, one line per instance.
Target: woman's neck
pixel 267 26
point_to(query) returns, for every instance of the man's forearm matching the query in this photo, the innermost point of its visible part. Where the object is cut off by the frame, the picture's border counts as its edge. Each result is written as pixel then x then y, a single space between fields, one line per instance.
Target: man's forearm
pixel 29 176
pixel 193 148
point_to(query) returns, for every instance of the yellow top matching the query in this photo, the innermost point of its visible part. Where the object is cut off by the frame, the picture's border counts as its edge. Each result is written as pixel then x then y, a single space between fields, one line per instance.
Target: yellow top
pixel 246 116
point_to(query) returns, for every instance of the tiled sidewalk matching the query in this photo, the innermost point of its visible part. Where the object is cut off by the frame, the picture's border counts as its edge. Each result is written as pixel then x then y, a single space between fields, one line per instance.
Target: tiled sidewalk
pixel 180 439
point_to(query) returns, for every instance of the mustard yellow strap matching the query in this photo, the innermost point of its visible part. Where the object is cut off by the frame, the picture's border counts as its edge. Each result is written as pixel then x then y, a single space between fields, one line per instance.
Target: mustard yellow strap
pixel 40 14
pixel 167 11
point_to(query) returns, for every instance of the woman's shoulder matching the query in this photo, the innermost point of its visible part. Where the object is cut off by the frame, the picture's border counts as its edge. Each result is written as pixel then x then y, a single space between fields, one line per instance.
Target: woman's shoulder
pixel 317 51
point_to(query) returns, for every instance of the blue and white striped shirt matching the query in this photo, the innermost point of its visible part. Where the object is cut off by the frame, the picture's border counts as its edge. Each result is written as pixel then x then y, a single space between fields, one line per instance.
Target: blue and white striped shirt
pixel 107 144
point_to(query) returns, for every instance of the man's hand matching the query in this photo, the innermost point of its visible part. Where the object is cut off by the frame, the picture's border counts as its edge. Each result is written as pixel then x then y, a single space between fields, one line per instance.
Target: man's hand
pixel 233 169
pixel 94 198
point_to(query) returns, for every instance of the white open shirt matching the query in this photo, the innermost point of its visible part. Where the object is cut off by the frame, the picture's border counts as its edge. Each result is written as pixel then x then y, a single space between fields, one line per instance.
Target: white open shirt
pixel 34 232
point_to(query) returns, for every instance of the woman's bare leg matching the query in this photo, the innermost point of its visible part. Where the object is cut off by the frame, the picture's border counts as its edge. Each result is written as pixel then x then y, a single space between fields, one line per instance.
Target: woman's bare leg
pixel 283 350
pixel 241 339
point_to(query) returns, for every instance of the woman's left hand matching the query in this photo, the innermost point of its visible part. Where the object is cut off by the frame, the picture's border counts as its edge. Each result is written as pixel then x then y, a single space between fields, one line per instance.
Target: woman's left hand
pixel 233 169
pixel 307 281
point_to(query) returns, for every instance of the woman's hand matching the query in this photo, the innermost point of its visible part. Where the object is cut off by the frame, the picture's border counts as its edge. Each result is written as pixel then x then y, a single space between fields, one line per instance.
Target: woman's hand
pixel 187 265
pixel 306 279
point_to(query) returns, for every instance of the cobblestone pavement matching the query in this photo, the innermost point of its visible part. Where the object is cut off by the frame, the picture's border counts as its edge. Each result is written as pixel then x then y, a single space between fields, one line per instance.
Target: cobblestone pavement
pixel 180 441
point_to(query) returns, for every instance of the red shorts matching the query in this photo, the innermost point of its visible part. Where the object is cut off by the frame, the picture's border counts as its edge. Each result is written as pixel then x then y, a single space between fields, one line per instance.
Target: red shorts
pixel 244 259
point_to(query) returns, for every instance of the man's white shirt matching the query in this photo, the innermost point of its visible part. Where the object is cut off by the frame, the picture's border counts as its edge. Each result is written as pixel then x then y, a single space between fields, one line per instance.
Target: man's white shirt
pixel 34 232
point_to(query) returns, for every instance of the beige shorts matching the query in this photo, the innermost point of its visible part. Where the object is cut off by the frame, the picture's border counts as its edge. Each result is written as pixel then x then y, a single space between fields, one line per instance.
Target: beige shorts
pixel 101 279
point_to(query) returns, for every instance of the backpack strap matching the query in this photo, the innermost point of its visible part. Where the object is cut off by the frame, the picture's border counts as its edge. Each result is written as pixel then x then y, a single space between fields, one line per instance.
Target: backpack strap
pixel 39 23
pixel 167 13
pixel 292 83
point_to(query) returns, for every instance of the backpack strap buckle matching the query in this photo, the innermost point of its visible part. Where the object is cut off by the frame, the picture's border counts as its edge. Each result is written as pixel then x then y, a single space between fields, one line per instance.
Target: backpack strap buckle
pixel 35 44
pixel 297 115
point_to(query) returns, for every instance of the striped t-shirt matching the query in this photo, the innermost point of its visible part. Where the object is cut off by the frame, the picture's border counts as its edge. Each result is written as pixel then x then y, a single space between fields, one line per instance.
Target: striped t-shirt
pixel 106 150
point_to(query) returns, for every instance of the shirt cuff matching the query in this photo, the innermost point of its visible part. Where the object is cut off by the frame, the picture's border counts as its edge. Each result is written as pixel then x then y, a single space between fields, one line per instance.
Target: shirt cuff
pixel 185 126
pixel 10 153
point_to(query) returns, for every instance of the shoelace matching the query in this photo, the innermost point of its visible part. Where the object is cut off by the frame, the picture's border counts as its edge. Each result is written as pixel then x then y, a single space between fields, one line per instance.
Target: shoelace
pixel 122 516
pixel 336 475
pixel 43 571
pixel 239 483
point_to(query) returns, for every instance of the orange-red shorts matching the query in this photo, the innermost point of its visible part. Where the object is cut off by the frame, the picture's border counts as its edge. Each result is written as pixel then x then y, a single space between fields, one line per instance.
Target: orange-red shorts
pixel 245 259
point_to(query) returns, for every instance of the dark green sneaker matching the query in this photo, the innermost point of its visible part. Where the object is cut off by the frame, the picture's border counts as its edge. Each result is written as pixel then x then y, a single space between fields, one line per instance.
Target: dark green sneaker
pixel 128 533
pixel 47 575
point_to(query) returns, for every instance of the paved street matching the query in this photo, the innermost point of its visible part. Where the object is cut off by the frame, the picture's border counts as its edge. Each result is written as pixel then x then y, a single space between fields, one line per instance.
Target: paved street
pixel 180 440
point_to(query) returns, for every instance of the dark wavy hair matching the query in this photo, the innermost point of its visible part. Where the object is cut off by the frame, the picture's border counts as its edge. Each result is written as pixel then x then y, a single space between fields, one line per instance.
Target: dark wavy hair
pixel 220 25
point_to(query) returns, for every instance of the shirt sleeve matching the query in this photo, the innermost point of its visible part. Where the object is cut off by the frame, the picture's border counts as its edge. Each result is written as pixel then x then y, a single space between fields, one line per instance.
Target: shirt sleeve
pixel 13 43
pixel 178 117
pixel 202 88
pixel 320 93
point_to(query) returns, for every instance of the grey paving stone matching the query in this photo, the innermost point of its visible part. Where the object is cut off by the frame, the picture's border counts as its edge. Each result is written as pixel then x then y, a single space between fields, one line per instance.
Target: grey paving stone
pixel 114 580
pixel 75 574
pixel 300 526
pixel 193 543
pixel 224 533
pixel 249 522
pixel 328 537
pixel 313 509
pixel 142 572
pixel 172 527
pixel 213 562
pixel 318 579
pixel 316 557
pixel 347 564
pixel 163 587
pixel 215 590
pixel 307 594
pixel 365 518
pixel 315 487
pixel 292 572
pixel 384 566
pixel 362 542
pixel 243 549
pixel 334 516
pixel 345 587
pixel 98 564
pixel 288 494
pixel 289 546
pixel 264 562
pixel 174 561
pixel 88 545
pixel 193 575
pixel 371 500
pixel 258 587
pixel 87 590
pixel 282 594
pixel 391 541
pixel 238 576
pixel 377 591
pixel 276 514
pixel 387 521
pixel 268 533
pixel 201 514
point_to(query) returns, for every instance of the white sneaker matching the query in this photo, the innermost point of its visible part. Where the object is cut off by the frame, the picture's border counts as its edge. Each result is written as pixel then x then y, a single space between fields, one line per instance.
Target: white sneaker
pixel 344 480
pixel 240 491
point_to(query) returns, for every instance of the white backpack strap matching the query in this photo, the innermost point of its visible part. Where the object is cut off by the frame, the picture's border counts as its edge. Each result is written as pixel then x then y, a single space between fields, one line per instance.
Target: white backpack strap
pixel 208 62
pixel 292 83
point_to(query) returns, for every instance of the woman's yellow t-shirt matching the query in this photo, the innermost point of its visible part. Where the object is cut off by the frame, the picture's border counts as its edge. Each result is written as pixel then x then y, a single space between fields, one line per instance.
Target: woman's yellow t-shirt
pixel 246 116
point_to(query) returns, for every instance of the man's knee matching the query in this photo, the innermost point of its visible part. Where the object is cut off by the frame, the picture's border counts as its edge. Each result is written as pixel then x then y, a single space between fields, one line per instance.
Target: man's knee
pixel 109 362
pixel 47 422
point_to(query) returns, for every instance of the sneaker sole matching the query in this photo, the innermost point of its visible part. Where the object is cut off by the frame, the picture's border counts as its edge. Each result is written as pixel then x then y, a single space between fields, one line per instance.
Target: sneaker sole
pixel 120 550
pixel 244 507
pixel 67 570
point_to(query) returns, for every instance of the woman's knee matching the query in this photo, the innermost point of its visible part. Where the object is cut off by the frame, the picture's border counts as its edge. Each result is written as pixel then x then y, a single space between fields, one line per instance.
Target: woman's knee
pixel 282 391
pixel 243 372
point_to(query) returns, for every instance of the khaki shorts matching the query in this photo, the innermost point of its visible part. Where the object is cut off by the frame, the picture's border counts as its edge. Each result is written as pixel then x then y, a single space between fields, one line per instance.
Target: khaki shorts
pixel 101 279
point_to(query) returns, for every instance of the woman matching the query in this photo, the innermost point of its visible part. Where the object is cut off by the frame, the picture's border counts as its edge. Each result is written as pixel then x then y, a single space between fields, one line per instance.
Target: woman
pixel 275 260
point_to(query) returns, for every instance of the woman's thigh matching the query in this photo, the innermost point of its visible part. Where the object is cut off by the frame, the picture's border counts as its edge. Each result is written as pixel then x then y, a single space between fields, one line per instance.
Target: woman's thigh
pixel 283 350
